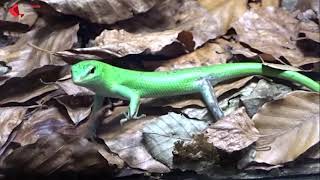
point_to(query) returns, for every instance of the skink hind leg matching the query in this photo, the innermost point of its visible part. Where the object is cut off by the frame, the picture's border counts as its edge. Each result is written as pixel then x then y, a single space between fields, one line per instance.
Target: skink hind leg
pixel 206 90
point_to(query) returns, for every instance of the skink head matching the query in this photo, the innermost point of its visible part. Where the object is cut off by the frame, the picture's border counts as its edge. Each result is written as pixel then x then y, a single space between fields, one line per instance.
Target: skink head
pixel 86 73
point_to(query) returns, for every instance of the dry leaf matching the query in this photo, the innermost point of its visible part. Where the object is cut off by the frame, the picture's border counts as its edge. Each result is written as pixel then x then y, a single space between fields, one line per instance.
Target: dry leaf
pixel 227 11
pixel 127 142
pixel 210 54
pixel 30 87
pixel 235 48
pixel 78 107
pixel 288 127
pixel 23 59
pixel 10 118
pixel 42 122
pixel 171 28
pixel 275 32
pixel 233 132
pixel 102 11
pixel 71 89
pixel 194 154
pixel 262 93
pixel 62 153
pixel 161 134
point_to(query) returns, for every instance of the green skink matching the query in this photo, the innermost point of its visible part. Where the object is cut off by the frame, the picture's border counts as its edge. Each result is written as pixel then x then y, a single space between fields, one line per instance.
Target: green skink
pixel 110 81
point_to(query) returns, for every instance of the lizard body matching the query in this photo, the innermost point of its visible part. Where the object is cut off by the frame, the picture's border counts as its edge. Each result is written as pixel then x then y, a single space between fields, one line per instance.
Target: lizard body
pixel 110 81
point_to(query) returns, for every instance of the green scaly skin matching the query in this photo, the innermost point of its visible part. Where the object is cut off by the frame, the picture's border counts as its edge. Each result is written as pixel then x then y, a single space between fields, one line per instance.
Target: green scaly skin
pixel 110 81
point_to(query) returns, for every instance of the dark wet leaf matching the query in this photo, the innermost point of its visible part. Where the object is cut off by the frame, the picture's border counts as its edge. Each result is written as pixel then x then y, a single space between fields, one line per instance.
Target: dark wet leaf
pixel 62 153
pixel 49 35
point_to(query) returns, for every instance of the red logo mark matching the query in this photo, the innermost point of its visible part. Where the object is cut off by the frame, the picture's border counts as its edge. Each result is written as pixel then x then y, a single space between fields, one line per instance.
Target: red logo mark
pixel 14 10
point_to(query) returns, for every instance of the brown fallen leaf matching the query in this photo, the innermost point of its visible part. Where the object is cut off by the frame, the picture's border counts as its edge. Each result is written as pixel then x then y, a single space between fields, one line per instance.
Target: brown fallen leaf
pixel 10 118
pixel 102 11
pixel 127 142
pixel 235 48
pixel 171 28
pixel 273 31
pixel 62 153
pixel 195 151
pixel 41 122
pixel 288 126
pixel 227 11
pixel 234 132
pixel 31 87
pixel 263 92
pixel 71 89
pixel 209 54
pixel 23 59
pixel 78 107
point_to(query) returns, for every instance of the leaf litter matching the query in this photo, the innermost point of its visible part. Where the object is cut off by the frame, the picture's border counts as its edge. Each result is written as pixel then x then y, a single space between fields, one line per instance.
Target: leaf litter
pixel 44 115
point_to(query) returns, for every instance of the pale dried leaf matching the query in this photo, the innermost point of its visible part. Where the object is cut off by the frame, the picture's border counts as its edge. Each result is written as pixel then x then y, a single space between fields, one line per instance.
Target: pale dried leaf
pixel 23 59
pixel 234 132
pixel 227 11
pixel 121 43
pixel 102 11
pixel 275 32
pixel 272 3
pixel 10 118
pixel 289 126
pixel 161 134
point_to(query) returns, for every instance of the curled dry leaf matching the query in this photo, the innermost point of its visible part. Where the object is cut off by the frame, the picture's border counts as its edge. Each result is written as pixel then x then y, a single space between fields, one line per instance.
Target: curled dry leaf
pixel 23 59
pixel 263 92
pixel 275 32
pixel 62 153
pixel 288 127
pixel 161 134
pixel 10 118
pixel 102 11
pixel 71 89
pixel 233 132
pixel 78 107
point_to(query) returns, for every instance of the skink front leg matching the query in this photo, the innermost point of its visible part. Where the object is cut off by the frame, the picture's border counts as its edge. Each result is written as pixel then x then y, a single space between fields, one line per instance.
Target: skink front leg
pixel 207 92
pixel 134 99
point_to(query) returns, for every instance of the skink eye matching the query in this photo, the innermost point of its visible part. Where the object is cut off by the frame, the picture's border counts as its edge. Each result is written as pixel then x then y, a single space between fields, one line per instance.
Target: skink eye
pixel 92 70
